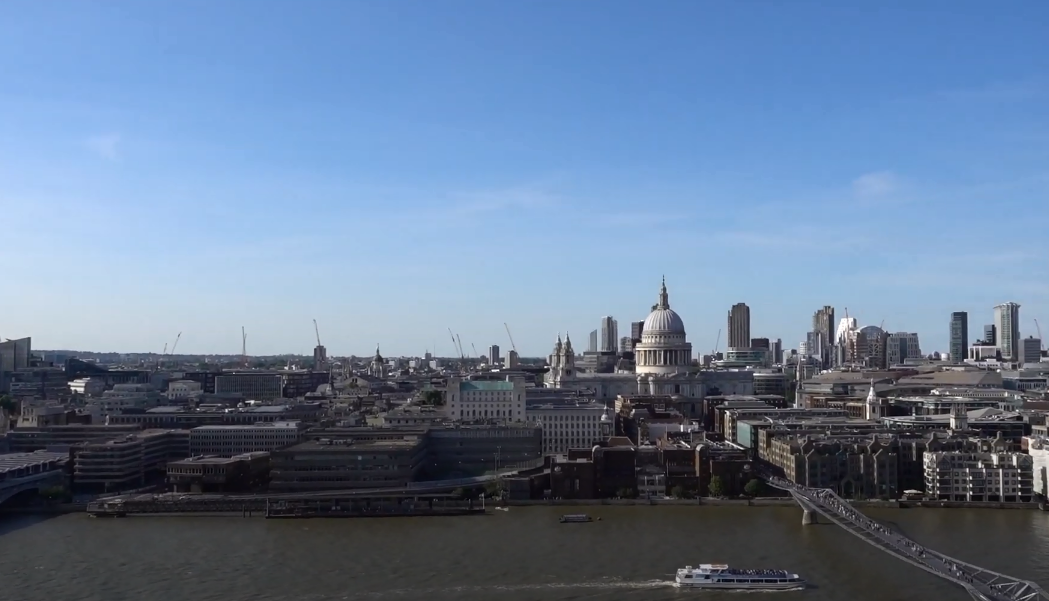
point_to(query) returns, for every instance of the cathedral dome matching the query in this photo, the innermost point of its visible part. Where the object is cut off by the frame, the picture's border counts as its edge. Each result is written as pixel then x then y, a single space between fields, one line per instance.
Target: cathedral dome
pixel 663 319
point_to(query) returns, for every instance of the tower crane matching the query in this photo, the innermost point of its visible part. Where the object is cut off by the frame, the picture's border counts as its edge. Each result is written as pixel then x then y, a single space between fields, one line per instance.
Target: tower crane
pixel 177 338
pixel 462 355
pixel 511 336
pixel 317 331
pixel 1042 340
pixel 453 339
pixel 474 347
pixel 714 353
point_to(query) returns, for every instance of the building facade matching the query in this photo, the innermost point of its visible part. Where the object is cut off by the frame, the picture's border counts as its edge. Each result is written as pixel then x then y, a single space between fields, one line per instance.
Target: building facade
pixel 959 336
pixel 739 326
pixel 475 399
pixel 1031 350
pixel 901 346
pixel 227 441
pixel 989 476
pixel 1007 324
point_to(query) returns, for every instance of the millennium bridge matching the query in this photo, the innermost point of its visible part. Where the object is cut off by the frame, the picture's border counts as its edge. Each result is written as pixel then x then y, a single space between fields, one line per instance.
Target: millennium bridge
pixel 981 584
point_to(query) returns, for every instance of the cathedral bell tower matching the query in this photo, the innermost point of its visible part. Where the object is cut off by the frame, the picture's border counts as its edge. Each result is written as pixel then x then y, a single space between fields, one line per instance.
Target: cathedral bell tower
pixel 562 363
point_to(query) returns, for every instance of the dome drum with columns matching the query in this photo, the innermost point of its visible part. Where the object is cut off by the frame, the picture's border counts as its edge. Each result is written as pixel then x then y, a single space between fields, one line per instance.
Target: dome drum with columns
pixel 662 366
pixel 663 348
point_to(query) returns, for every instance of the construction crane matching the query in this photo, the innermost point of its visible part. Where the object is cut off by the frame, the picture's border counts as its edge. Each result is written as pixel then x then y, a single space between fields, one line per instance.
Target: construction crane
pixel 165 351
pixel 474 347
pixel 459 340
pixel 177 338
pixel 317 331
pixel 244 345
pixel 1041 340
pixel 714 353
pixel 511 337
pixel 453 339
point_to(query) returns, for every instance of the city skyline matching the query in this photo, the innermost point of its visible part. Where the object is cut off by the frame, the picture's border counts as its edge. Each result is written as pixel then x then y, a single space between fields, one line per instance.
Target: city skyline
pixel 393 173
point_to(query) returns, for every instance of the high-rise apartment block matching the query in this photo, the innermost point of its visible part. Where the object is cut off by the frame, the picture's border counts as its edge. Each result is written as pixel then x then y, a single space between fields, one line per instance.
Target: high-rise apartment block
pixel 592 346
pixel 1007 322
pixel 493 355
pixel 959 336
pixel 739 326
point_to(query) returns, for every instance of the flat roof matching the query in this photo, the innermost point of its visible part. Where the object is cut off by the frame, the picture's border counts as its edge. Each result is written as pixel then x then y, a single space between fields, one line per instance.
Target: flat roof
pixel 356 445
pixel 9 461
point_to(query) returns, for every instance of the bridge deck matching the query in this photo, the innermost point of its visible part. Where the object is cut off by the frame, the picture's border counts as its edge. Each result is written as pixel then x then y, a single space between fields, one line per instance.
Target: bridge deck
pixel 981 583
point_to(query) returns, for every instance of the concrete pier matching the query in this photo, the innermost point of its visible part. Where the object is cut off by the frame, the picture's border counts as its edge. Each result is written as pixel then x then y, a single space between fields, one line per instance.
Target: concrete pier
pixel 808 517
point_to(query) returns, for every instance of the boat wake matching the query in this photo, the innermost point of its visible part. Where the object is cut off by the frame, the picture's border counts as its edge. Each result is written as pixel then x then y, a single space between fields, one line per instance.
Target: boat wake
pixel 507 588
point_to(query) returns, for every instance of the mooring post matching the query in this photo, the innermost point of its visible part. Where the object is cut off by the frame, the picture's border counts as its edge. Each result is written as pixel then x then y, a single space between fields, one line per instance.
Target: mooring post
pixel 808 517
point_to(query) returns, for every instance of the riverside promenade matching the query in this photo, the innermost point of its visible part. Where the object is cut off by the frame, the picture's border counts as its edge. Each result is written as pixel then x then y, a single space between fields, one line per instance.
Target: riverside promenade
pixel 982 584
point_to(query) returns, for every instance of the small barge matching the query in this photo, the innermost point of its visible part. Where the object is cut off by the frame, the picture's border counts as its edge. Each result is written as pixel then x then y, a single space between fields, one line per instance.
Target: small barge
pixel 576 518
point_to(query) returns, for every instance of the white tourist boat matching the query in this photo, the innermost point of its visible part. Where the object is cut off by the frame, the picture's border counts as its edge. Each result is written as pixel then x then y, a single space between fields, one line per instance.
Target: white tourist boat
pixel 720 576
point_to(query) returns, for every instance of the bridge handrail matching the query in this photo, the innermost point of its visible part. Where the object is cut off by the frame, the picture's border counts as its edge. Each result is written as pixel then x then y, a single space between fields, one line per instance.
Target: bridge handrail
pixel 1014 587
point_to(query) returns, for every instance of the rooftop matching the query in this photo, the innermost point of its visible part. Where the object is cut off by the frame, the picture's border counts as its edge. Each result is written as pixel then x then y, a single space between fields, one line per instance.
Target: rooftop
pixel 486 385
pixel 355 445
pixel 9 461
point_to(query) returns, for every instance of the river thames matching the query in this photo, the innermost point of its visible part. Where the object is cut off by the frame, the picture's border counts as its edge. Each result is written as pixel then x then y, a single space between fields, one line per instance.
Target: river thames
pixel 523 554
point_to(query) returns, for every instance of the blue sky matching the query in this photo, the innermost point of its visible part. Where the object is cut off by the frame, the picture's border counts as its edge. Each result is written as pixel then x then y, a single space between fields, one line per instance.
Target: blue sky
pixel 394 169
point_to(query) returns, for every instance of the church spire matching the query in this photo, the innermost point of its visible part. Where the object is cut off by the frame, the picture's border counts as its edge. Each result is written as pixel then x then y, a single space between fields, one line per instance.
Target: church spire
pixel 664 298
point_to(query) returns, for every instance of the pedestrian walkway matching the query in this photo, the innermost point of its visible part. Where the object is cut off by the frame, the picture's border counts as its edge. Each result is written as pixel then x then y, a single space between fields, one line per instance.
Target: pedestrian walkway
pixel 982 584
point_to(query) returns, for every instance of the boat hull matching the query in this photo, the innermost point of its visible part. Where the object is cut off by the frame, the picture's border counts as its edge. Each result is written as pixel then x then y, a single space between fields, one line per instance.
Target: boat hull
pixel 752 586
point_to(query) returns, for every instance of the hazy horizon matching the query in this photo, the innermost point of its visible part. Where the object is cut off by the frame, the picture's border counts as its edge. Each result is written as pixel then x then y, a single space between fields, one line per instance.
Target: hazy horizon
pixel 394 170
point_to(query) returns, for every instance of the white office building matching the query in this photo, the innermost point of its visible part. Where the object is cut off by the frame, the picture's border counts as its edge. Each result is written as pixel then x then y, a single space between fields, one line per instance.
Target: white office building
pixel 568 425
pixel 183 390
pixel 485 399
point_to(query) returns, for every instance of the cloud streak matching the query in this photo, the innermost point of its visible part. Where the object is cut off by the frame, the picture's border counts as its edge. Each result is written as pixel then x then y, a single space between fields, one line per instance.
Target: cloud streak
pixel 105 146
pixel 504 200
pixel 879 184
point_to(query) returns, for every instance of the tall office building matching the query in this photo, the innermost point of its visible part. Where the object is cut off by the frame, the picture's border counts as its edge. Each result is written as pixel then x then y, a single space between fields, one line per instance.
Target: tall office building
pixel 1007 323
pixel 626 345
pixel 776 350
pixel 609 334
pixel 959 336
pixel 990 335
pixel 739 326
pixel 493 355
pixel 902 346
pixel 822 344
pixel 1031 350
pixel 592 347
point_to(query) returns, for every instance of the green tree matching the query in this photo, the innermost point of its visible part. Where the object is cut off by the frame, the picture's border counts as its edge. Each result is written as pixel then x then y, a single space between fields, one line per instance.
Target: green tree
pixel 716 488
pixel 433 397
pixel 8 405
pixel 678 492
pixel 754 487
pixel 493 488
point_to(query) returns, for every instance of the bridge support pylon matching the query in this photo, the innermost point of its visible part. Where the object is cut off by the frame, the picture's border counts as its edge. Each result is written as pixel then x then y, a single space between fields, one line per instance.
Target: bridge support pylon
pixel 808 517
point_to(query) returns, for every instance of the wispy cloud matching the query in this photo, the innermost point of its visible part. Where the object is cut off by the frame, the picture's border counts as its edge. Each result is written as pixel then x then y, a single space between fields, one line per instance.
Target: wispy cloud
pixel 878 184
pixel 502 200
pixel 641 218
pixel 106 146
pixel 998 91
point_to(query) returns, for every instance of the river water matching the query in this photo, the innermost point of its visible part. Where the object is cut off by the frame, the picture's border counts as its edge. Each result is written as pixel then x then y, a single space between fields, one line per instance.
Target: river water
pixel 520 555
